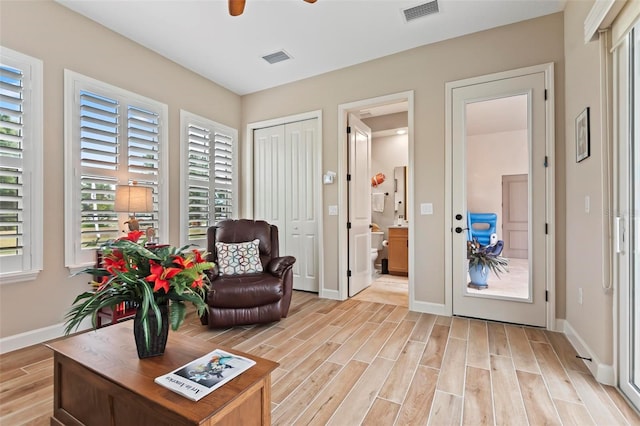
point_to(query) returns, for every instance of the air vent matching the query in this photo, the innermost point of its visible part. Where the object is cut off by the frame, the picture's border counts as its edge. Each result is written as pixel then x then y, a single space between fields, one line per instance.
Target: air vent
pixel 276 57
pixel 420 10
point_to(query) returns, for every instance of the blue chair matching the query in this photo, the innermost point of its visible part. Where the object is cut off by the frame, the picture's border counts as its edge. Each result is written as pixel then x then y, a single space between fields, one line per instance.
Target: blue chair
pixel 485 225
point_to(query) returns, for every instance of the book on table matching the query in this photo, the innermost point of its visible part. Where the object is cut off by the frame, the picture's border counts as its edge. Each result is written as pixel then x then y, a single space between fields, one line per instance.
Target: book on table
pixel 202 376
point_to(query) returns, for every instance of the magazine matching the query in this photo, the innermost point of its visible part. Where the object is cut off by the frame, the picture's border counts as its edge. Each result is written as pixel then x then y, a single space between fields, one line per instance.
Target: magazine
pixel 204 375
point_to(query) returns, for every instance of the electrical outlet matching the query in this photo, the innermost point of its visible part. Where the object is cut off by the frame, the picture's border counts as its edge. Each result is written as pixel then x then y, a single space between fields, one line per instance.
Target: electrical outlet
pixel 580 296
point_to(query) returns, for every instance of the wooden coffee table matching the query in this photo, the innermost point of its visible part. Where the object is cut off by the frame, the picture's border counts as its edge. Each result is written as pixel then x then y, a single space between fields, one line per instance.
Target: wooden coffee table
pixel 99 380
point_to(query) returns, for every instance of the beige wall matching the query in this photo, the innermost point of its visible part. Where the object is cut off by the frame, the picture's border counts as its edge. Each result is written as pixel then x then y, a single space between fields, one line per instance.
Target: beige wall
pixel 593 320
pixel 425 70
pixel 63 39
pixel 489 157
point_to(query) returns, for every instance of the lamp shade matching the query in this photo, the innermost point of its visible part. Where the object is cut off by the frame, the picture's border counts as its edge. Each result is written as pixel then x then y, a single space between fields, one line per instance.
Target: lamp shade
pixel 134 199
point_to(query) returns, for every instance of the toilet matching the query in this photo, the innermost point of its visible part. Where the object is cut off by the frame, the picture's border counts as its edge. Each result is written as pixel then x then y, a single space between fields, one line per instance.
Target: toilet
pixel 376 245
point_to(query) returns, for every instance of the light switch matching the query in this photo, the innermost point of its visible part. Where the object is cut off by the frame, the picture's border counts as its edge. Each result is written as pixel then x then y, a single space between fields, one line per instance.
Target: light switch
pixel 426 208
pixel 333 210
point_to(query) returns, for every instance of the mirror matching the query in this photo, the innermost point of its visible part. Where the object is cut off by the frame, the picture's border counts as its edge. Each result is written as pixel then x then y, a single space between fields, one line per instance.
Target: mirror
pixel 401 194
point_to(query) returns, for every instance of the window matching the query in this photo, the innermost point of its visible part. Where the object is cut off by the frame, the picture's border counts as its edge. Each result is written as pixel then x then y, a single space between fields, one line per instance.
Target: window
pixel 112 137
pixel 20 166
pixel 209 185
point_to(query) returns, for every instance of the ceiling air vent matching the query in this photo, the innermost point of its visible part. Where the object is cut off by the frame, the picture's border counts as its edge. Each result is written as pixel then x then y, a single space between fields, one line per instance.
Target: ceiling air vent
pixel 276 57
pixel 420 10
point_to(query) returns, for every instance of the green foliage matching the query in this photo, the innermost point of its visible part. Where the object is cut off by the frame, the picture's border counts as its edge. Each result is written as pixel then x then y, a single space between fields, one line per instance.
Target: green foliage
pixel 479 256
pixel 146 276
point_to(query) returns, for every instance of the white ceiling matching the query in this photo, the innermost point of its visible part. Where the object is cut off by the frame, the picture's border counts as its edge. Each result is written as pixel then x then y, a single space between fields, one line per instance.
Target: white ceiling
pixel 328 35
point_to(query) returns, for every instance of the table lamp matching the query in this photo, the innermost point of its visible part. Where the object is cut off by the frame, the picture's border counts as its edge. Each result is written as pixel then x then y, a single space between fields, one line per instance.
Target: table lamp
pixel 133 199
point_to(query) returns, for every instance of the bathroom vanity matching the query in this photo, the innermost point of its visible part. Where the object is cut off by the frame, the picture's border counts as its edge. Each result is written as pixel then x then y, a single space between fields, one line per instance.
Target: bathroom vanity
pixel 398 250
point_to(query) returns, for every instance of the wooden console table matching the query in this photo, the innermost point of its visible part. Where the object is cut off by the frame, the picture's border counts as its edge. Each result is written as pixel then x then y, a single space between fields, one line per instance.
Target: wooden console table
pixel 99 380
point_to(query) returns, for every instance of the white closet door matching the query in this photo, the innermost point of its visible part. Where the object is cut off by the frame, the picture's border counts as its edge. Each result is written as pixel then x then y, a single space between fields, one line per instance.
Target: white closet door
pixel 269 179
pixel 285 189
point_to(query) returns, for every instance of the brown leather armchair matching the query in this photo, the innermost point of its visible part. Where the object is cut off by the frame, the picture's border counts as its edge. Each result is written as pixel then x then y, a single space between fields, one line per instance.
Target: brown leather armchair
pixel 249 298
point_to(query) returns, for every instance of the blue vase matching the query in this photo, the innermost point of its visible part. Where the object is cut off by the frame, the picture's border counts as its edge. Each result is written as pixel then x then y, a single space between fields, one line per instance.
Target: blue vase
pixel 479 275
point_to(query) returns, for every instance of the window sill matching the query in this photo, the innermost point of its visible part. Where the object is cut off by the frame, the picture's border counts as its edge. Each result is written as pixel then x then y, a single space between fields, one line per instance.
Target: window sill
pixel 17 277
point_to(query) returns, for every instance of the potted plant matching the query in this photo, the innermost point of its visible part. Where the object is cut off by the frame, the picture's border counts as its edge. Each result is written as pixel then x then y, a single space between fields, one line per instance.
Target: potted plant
pixel 483 259
pixel 157 280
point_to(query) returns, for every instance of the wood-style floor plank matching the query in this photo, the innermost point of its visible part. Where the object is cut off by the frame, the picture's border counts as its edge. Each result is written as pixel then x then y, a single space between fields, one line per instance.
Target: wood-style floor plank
pixel 372 363
pixel 507 400
pixel 478 402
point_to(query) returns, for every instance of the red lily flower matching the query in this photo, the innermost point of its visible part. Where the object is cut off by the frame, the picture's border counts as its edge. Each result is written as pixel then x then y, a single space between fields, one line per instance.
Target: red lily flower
pixel 115 262
pixel 133 236
pixel 183 262
pixel 198 256
pixel 197 283
pixel 160 276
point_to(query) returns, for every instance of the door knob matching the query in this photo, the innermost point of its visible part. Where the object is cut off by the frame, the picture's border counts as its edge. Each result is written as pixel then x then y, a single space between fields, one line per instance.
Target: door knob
pixel 458 216
pixel 459 230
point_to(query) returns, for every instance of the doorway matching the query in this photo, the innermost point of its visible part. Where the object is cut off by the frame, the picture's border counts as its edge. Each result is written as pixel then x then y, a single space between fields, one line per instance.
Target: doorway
pixel 368 111
pixel 485 152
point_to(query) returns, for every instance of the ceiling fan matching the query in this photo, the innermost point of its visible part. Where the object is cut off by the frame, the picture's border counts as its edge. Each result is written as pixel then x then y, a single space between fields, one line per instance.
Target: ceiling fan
pixel 236 7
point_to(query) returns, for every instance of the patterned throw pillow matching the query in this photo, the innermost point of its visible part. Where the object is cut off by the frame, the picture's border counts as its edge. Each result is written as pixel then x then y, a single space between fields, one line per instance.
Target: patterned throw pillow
pixel 240 258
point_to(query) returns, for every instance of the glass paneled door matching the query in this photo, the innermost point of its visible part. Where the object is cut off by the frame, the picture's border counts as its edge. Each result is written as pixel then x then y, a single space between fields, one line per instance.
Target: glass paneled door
pixel 627 222
pixel 499 194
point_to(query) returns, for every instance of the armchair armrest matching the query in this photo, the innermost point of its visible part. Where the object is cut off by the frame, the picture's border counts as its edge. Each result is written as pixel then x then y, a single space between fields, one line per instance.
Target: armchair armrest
pixel 279 265
pixel 213 273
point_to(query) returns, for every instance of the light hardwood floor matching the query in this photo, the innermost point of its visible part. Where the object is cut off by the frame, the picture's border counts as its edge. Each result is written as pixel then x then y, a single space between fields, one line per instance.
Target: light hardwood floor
pixel 361 362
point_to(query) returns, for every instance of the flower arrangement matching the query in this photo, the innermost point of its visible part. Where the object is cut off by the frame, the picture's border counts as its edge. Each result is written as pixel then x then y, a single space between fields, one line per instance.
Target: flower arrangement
pixel 148 277
pixel 483 256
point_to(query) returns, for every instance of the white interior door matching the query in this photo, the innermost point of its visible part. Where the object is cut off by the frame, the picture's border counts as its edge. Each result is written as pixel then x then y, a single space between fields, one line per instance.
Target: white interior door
pixel 359 209
pixel 301 186
pixel 285 186
pixel 530 307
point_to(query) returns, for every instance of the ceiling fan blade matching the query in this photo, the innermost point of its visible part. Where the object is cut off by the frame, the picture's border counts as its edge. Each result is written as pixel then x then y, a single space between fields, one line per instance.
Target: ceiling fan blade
pixel 236 7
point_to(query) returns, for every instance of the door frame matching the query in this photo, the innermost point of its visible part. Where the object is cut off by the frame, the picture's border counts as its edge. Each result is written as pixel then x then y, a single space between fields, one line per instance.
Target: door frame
pixel 548 70
pixel 343 263
pixel 247 176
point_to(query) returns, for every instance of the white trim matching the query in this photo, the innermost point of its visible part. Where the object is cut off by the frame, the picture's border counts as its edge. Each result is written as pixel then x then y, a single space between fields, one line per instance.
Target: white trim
pixel 187 117
pixel 38 336
pixel 33 166
pixel 343 112
pixel 603 373
pixel 548 70
pixel 73 83
pixel 330 294
pixel 430 308
pixel 601 15
pixel 319 201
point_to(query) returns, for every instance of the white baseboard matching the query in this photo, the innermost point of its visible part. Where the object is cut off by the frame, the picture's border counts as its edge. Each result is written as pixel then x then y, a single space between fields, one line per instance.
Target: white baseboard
pixel 603 373
pixel 430 308
pixel 330 294
pixel 35 337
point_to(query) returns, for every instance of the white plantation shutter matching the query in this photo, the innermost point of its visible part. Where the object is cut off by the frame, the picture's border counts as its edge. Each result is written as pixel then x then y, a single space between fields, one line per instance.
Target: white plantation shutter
pixel 223 170
pixel 113 137
pixel 11 162
pixel 20 166
pixel 208 176
pixel 199 178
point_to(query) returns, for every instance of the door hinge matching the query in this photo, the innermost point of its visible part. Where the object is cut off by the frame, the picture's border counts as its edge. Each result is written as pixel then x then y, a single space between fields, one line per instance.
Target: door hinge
pixel 348 177
pixel 546 295
pixel 546 228
pixel 348 272
pixel 546 161
pixel 348 225
pixel 545 94
pixel 348 129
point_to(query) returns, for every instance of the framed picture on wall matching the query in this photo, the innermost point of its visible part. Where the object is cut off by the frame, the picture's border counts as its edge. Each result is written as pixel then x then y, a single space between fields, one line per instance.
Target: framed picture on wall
pixel 582 136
